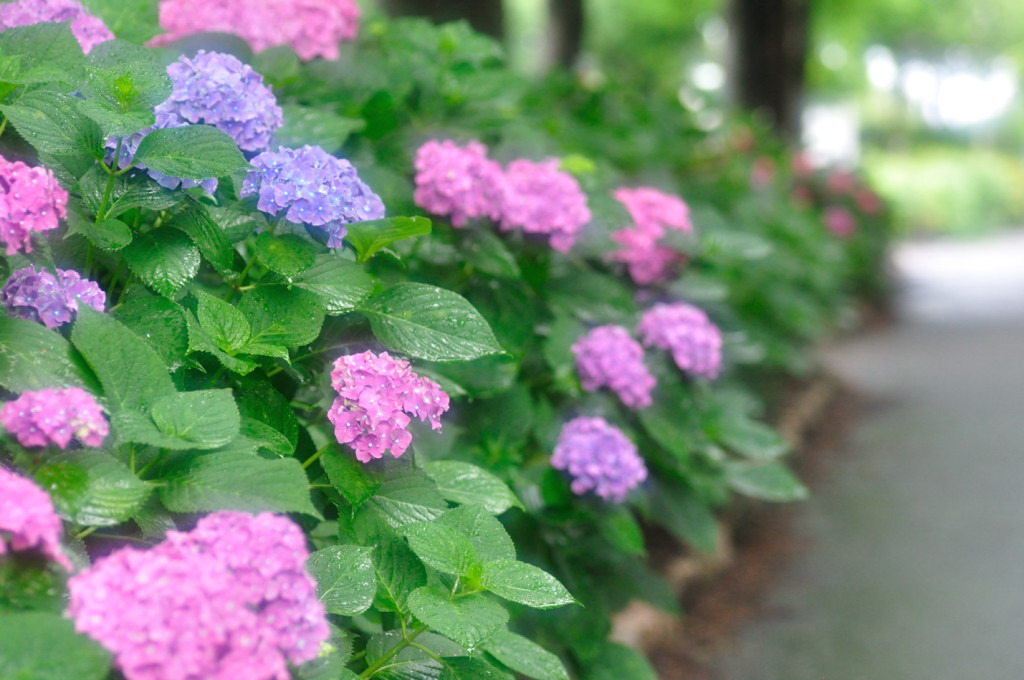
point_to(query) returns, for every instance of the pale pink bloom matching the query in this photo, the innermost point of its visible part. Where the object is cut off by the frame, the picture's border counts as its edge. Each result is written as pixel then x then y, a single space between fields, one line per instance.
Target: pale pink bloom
pixel 28 519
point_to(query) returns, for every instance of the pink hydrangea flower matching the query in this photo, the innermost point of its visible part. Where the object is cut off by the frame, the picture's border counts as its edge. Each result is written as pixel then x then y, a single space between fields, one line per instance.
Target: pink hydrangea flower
pixel 313 28
pixel 39 296
pixel 654 211
pixel 762 172
pixel 685 331
pixel 87 29
pixel 648 262
pixel 376 396
pixel 608 357
pixel 458 181
pixel 842 182
pixel 27 519
pixel 55 416
pixel 868 201
pixel 801 164
pixel 30 200
pixel 230 599
pixel 599 458
pixel 839 221
pixel 541 199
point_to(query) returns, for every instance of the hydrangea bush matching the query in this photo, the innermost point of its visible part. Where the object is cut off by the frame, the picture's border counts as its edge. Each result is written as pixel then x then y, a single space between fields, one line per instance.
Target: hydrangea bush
pixel 302 379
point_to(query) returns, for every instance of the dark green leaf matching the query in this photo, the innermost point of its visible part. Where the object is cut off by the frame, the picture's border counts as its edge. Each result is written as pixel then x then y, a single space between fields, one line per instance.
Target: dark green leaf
pixel 51 122
pixel 196 221
pixel 489 254
pixel 236 222
pixel 288 255
pixel 33 357
pixel 200 341
pixel 40 53
pixel 314 126
pixel 91 488
pixel 442 548
pixel 617 662
pixel 283 317
pixel 525 656
pixel 195 152
pixel 678 510
pixel 340 285
pixel 465 668
pixel 466 483
pixel 261 402
pixel 399 572
pixel 752 439
pixel 44 646
pixel 348 476
pixel 525 583
pixel 345 580
pixel 487 535
pixel 620 528
pixel 222 322
pixel 131 190
pixel 204 419
pixel 110 234
pixel 164 259
pixel 469 620
pixel 767 481
pixel 407 498
pixel 369 237
pixel 408 664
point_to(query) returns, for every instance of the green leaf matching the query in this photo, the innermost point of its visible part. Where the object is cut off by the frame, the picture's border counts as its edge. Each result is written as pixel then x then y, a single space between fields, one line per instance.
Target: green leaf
pixel 348 476
pixel 91 488
pixel 407 498
pixel 200 341
pixel 430 323
pixel 195 152
pixel 126 80
pixel 345 580
pixel 288 255
pixel 109 235
pixel 766 481
pixel 369 237
pixel 164 259
pixel 260 401
pixel 752 439
pixel 237 481
pixel 489 254
pixel 525 584
pixel 340 285
pixel 44 646
pixel 525 656
pixel 33 357
pixel 398 572
pixel 678 510
pixel 133 376
pixel 44 52
pixel 226 326
pixel 616 662
pixel 204 419
pixel 466 483
pixel 115 123
pixel 469 620
pixel 51 122
pixel 236 222
pixel 314 126
pixel 160 322
pixel 442 548
pixel 487 535
pixel 136 22
pixel 465 668
pixel 196 221
pixel 131 190
pixel 620 528
pixel 283 317
pixel 408 664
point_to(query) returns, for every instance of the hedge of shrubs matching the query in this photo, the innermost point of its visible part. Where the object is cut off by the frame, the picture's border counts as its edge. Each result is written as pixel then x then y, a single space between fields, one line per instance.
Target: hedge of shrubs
pixel 341 351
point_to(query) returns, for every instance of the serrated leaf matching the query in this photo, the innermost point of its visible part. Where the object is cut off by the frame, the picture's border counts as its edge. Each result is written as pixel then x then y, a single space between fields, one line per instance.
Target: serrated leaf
pixel 114 123
pixel 282 317
pixel 430 323
pixel 131 190
pixel 237 481
pixel 40 53
pixel 109 235
pixel 525 584
pixel 441 547
pixel 370 237
pixel 314 126
pixel 348 476
pixel 465 668
pixel 196 221
pixel 51 122
pixel 45 646
pixel 488 536
pixel 398 572
pixel 469 620
pixel 33 357
pixel 345 579
pixel 222 322
pixel 288 255
pixel 164 259
pixel 408 664
pixel 125 81
pixel 91 488
pixel 340 285
pixel 407 498
pixel 199 341
pixel 525 656
pixel 195 152
pixel 205 419
pixel 766 481
pixel 260 401
pixel 466 483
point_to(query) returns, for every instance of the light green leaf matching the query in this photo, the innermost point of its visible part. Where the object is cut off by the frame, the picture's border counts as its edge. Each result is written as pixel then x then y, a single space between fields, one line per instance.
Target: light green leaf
pixel 406 498
pixel 399 572
pixel 488 536
pixel 109 235
pixel 91 488
pixel 345 579
pixel 282 317
pixel 525 584
pixel 195 152
pixel 131 190
pixel 525 656
pixel 33 357
pixel 466 483
pixel 164 259
pixel 369 237
pixel 469 620
pixel 51 122
pixel 408 664
pixel 752 439
pixel 340 285
pixel 222 322
pixel 288 255
pixel 44 646
pixel 766 481
pixel 205 419
pixel 43 52
pixel 442 548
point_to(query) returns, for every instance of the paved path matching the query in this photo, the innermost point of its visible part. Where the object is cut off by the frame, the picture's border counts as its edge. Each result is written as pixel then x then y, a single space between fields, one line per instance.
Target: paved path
pixel 914 566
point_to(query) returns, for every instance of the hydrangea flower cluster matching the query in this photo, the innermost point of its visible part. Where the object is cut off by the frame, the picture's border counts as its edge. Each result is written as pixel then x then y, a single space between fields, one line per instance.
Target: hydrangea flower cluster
pixel 648 261
pixel 52 301
pixel 87 29
pixel 230 599
pixel 599 458
pixel 653 212
pixel 376 396
pixel 685 331
pixel 541 199
pixel 38 418
pixel 30 200
pixel 458 181
pixel 28 519
pixel 840 221
pixel 130 144
pixel 314 188
pixel 607 356
pixel 313 28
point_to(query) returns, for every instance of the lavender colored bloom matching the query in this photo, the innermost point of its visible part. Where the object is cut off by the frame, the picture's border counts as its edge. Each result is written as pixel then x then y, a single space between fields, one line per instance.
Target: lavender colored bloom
pixel 457 181
pixel 599 458
pixel 230 599
pixel 30 200
pixel 541 199
pixel 27 519
pixel 686 332
pixel 58 416
pixel 314 188
pixel 87 29
pixel 608 357
pixel 376 396
pixel 39 296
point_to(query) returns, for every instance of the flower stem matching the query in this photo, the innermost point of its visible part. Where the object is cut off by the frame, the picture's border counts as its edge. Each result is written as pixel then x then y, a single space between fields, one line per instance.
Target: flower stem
pixel 379 663
pixel 312 459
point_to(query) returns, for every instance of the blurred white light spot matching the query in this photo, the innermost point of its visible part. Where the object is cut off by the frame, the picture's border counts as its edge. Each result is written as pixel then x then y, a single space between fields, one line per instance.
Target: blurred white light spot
pixel 883 71
pixel 831 134
pixel 715 32
pixel 709 119
pixel 708 76
pixel 833 56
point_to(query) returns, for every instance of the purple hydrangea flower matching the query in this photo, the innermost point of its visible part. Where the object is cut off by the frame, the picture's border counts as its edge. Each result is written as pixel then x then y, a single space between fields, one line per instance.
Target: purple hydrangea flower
pixel 686 332
pixel 608 357
pixel 30 200
pixel 599 458
pixel 541 199
pixel 55 416
pixel 376 396
pixel 457 181
pixel 39 296
pixel 89 30
pixel 27 519
pixel 313 28
pixel 230 599
pixel 314 188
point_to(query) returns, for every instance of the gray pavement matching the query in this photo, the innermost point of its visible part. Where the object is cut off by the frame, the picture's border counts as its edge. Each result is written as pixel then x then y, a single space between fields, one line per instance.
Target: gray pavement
pixel 914 560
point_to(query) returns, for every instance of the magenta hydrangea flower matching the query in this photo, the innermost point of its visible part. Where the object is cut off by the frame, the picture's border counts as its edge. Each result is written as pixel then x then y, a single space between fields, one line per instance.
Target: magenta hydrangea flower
pixel 654 211
pixel 608 357
pixel 599 458
pixel 30 200
pixel 541 199
pixel 27 519
pixel 458 181
pixel 685 331
pixel 87 29
pixel 312 187
pixel 648 261
pixel 313 28
pixel 38 418
pixel 41 297
pixel 376 396
pixel 840 221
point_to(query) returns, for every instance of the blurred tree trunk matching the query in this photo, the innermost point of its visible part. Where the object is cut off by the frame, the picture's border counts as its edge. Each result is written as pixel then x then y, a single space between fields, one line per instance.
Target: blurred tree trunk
pixel 485 16
pixel 770 47
pixel 566 31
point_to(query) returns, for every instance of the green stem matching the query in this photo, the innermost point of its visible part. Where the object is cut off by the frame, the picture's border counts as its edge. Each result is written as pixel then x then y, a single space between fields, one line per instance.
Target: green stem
pixel 156 459
pixel 316 456
pixel 85 532
pixel 101 212
pixel 379 663
pixel 3 126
